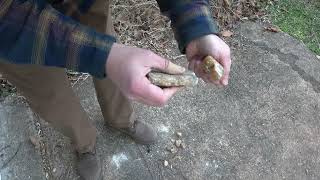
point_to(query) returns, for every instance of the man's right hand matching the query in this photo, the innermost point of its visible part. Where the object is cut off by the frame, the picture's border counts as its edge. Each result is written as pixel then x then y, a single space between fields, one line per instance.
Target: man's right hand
pixel 128 66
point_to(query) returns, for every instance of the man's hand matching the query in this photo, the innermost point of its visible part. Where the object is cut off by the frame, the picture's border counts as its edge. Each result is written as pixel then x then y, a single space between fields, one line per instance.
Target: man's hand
pixel 127 67
pixel 209 45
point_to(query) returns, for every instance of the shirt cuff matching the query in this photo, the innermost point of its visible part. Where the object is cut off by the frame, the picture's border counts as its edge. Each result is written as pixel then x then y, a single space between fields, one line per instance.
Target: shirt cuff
pixel 192 23
pixel 93 57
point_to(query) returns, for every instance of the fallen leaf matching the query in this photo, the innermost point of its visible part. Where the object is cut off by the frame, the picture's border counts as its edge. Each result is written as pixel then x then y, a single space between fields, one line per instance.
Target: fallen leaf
pixel 226 33
pixel 227 3
pixel 272 29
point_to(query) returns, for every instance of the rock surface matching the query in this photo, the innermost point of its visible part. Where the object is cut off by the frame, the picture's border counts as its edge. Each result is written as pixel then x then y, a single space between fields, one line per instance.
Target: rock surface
pixel 264 125
pixel 19 160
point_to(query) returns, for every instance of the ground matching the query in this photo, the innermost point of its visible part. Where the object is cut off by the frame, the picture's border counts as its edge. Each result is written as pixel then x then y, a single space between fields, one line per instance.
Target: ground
pixel 264 125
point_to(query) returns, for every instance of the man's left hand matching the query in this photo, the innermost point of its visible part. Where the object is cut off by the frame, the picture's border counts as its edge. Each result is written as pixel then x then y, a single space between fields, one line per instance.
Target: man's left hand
pixel 209 45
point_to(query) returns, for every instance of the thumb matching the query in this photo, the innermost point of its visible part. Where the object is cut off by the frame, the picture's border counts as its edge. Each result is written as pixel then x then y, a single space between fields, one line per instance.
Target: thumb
pixel 167 66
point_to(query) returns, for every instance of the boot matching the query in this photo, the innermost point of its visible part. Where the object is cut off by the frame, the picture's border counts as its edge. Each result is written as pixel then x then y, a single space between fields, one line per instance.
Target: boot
pixel 89 167
pixel 141 133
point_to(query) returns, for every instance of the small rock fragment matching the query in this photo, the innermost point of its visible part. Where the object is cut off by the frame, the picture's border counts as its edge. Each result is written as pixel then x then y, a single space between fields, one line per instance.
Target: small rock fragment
pixel 179 134
pixel 171 149
pixel 212 67
pixel 178 143
pixel 35 140
pixel 169 80
pixel 183 145
pixel 165 163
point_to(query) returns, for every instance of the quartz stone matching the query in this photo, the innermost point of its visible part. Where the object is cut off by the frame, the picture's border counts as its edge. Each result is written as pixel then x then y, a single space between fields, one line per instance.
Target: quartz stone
pixel 212 67
pixel 169 80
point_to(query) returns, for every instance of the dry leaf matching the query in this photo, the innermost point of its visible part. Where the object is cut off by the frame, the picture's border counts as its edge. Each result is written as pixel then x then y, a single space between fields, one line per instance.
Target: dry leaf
pixel 272 29
pixel 227 3
pixel 226 33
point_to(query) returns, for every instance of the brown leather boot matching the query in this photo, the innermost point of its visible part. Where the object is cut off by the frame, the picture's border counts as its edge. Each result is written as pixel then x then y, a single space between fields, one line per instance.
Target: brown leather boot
pixel 89 167
pixel 141 133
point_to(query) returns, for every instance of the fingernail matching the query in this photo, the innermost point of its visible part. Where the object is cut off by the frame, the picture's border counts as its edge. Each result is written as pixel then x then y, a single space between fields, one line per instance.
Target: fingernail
pixel 182 69
pixel 225 82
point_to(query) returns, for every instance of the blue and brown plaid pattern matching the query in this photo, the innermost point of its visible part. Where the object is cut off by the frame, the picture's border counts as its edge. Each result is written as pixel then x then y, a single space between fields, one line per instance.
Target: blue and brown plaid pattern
pixel 33 32
pixel 190 19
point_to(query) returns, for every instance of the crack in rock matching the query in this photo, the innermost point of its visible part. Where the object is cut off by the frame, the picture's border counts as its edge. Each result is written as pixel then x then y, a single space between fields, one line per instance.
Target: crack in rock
pixel 289 59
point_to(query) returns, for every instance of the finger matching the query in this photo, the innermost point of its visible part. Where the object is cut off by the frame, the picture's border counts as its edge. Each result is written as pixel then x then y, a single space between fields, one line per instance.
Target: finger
pixel 154 95
pixel 167 66
pixel 168 92
pixel 205 79
pixel 226 63
pixel 191 65
pixel 217 83
pixel 199 70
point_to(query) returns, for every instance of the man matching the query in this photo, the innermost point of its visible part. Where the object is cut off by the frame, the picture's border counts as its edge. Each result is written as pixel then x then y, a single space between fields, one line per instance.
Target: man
pixel 39 39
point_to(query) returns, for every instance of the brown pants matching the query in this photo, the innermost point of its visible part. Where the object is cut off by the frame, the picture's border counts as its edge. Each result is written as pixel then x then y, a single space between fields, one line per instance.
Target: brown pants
pixel 49 92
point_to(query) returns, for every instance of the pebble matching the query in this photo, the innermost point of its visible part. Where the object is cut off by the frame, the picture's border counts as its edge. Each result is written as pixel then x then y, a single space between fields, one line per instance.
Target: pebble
pixel 171 149
pixel 179 134
pixel 178 143
pixel 183 145
pixel 35 140
pixel 165 163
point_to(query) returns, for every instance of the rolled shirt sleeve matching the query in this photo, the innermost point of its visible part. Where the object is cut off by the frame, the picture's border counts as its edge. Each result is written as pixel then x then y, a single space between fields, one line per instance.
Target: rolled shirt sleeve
pixel 190 19
pixel 32 32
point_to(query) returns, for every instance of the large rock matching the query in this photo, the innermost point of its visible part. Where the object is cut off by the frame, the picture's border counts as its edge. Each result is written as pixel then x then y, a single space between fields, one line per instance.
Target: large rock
pixel 264 125
pixel 19 160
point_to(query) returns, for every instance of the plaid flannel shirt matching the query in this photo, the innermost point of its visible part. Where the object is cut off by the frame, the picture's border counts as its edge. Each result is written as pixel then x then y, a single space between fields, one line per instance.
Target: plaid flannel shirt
pixel 33 32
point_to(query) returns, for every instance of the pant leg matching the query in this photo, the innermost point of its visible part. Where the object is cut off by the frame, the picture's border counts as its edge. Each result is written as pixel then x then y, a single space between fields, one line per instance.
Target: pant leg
pixel 116 108
pixel 49 92
pixel 50 95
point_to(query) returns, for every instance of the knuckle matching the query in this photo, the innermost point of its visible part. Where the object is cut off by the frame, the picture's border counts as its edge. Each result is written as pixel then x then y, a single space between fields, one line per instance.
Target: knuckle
pixel 149 53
